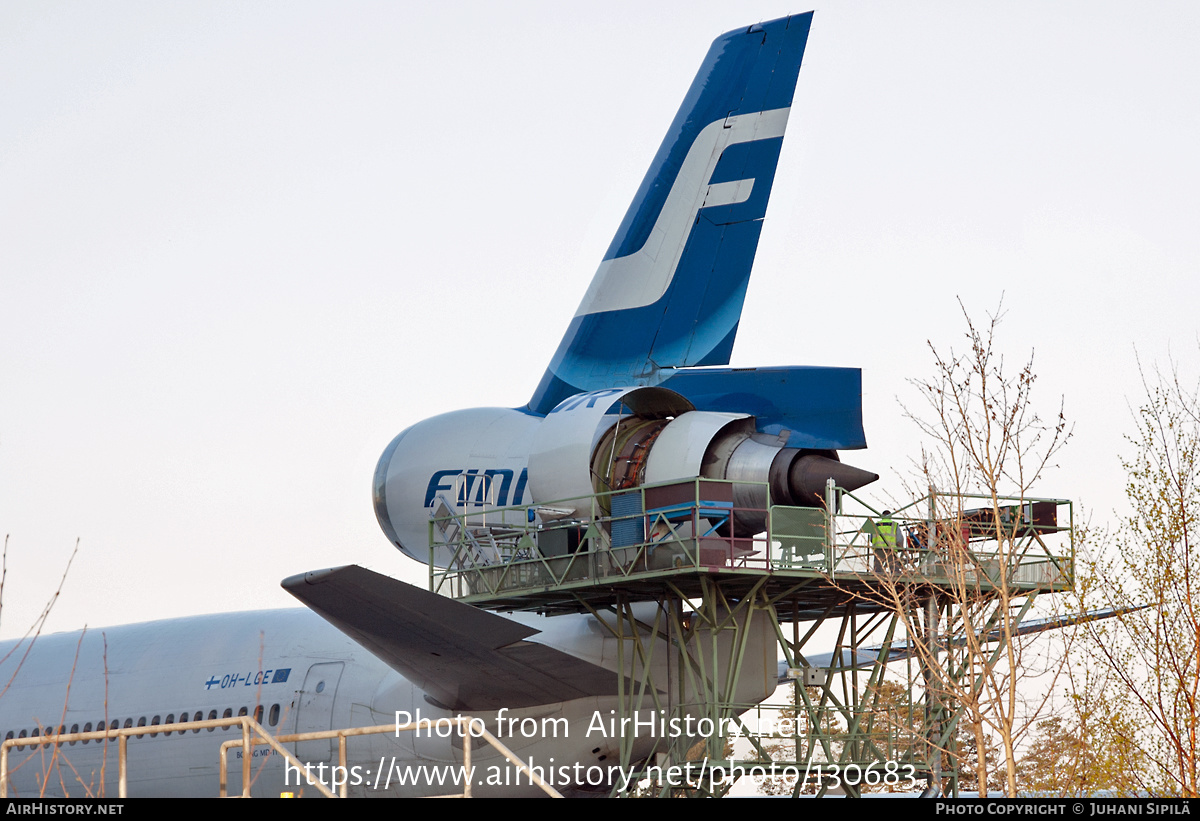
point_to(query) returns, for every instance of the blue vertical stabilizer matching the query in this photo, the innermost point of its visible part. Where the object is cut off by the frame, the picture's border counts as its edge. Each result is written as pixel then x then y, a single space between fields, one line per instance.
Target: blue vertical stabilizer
pixel 669 291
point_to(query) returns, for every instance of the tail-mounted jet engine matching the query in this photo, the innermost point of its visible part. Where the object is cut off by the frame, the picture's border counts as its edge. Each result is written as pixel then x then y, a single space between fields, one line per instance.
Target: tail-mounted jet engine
pixel 604 440
pixel 646 436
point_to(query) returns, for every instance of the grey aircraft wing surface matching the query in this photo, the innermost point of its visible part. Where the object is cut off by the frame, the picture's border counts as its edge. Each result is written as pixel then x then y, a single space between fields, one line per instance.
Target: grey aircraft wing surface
pixel 466 658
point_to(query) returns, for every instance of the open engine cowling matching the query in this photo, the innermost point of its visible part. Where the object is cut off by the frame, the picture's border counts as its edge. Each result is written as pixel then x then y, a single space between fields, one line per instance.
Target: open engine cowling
pixel 624 438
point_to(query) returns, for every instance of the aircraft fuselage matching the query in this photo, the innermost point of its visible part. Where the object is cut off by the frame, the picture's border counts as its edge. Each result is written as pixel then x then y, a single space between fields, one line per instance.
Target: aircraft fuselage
pixel 304 675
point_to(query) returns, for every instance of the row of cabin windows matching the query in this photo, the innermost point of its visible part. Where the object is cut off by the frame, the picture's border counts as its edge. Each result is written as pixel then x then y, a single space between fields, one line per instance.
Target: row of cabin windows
pixel 272 720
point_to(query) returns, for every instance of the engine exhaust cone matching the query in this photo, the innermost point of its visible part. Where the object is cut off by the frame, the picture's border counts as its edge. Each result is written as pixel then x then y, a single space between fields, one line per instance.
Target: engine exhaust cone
pixel 808 474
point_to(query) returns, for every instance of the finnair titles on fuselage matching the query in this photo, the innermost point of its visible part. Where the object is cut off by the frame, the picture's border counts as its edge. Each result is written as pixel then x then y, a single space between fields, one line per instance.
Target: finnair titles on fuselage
pixel 472 487
pixel 665 301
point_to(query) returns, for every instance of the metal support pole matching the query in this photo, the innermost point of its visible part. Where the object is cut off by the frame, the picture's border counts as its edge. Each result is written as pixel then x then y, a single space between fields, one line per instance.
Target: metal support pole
pixel 466 760
pixel 932 617
pixel 123 767
pixel 342 763
pixel 831 522
pixel 931 532
pixel 247 751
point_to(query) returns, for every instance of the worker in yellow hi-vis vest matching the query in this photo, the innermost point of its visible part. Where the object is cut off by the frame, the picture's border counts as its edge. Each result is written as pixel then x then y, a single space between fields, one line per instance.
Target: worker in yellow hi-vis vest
pixel 887 541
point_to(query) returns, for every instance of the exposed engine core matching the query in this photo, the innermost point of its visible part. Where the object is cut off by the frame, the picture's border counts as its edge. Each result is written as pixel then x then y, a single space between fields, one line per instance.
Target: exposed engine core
pixel 645 436
pixel 641 449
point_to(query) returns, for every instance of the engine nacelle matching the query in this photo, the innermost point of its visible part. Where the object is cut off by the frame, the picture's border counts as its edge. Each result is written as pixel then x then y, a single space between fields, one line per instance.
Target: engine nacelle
pixel 607 440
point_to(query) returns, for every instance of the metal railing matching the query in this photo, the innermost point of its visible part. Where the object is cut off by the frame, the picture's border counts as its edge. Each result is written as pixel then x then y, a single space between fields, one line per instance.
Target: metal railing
pixel 604 537
pixel 701 524
pixel 467 729
pixel 254 734
pixel 122 735
pixel 938 538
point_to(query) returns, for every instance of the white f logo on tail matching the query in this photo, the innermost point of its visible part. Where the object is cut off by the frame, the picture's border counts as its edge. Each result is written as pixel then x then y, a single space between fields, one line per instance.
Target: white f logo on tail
pixel 641 278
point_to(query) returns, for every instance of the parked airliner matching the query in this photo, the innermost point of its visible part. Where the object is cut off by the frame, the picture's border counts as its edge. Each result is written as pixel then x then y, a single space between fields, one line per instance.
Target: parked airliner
pixel 643 350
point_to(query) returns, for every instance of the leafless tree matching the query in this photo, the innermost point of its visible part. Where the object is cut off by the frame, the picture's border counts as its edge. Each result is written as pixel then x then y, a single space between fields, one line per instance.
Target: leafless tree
pixel 974 558
pixel 24 647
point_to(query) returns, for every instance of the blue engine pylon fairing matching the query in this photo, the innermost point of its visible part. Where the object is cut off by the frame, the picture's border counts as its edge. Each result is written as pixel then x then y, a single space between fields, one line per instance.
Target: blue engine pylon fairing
pixel 818 408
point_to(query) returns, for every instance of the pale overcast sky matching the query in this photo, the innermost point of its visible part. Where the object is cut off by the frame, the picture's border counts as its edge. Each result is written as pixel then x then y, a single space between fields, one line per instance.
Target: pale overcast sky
pixel 245 244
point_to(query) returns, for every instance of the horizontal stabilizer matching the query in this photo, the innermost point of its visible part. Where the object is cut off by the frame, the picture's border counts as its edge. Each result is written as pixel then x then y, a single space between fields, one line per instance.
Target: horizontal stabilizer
pixel 466 658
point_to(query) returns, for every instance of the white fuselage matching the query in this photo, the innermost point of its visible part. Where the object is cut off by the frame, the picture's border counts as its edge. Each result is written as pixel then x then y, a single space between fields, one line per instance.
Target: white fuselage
pixel 304 674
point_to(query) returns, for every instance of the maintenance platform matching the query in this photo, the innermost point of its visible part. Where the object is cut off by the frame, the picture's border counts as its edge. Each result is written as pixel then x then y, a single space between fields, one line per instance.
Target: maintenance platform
pixel 924 585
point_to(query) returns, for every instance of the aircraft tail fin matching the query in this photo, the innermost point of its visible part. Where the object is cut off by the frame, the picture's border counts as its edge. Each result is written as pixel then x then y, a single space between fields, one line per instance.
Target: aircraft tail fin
pixel 670 289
